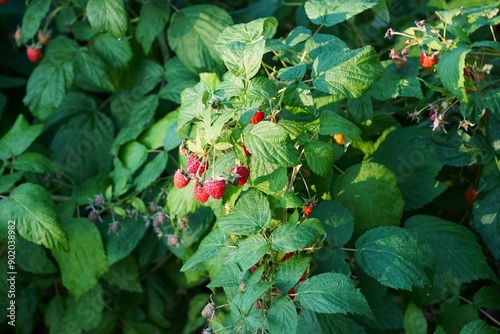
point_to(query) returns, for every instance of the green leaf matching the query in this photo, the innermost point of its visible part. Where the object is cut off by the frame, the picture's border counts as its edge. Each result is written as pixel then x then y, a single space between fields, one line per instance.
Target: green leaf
pixel 82 145
pixel 115 52
pixel 33 210
pixel 397 82
pixel 85 262
pixel 33 258
pixel 395 257
pixel 332 293
pixel 244 60
pixel 120 245
pixel 293 73
pixel 290 271
pixel 229 275
pixel 337 221
pixel 153 17
pixel 250 215
pixel 178 77
pixel 298 99
pixel 108 16
pixel 414 320
pixel 32 19
pixel 459 258
pixel 192 34
pixel 151 172
pixel 361 108
pixel 124 274
pixel 457 148
pixel 331 12
pixel 487 297
pixel 319 156
pixel 92 72
pixel 140 115
pixel 7 181
pixel 486 215
pixel 133 155
pixel 249 251
pixel 209 248
pixel 415 167
pixel 19 137
pixel 193 102
pixel 47 87
pixel 268 141
pixel 261 89
pixel 477 327
pixel 450 69
pixel 34 162
pixel 93 304
pixel 147 75
pixel 330 123
pixel 282 316
pixel 247 33
pixel 270 183
pixel 291 237
pixel 346 73
pixel 320 43
pixel 370 192
pixel 315 323
pixel 155 137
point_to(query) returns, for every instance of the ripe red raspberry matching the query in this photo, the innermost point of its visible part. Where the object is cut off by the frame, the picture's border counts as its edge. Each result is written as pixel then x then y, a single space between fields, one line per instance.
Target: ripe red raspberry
pixel 199 193
pixel 194 166
pixel 427 61
pixel 287 256
pixel 470 195
pixel 243 174
pixel 308 209
pixel 34 54
pixel 216 188
pixel 245 150
pixel 180 180
pixel 257 117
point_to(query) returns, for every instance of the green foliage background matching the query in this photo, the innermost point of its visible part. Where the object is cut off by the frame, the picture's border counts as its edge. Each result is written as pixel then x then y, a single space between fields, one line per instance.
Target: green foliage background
pixel 394 241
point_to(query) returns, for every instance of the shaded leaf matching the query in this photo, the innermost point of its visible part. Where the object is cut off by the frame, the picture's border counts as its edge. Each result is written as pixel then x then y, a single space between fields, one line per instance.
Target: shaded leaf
pixel 395 257
pixel 85 262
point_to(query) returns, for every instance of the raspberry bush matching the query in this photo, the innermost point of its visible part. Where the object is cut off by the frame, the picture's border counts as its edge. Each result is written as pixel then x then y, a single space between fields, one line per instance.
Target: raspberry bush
pixel 322 166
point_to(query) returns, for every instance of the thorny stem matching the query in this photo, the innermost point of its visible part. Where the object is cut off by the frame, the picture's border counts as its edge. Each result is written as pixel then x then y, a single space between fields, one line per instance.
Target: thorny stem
pixel 481 310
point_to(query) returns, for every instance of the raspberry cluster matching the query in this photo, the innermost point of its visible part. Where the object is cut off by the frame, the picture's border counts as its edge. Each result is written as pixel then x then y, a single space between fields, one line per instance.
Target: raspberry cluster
pixel 212 187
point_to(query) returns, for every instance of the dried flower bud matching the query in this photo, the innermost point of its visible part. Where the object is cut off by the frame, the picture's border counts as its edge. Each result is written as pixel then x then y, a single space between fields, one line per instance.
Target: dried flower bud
pixel 159 219
pixel 93 216
pixel 389 33
pixel 152 208
pixel 420 25
pixel 208 311
pixel 115 227
pixel 183 223
pixel 99 200
pixel 173 240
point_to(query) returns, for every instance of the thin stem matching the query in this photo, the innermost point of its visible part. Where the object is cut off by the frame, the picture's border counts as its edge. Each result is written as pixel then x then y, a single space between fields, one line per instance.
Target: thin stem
pixel 319 28
pixel 493 33
pixel 481 310
pixel 348 249
pixel 340 170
